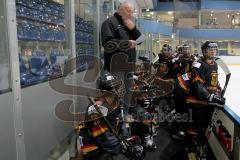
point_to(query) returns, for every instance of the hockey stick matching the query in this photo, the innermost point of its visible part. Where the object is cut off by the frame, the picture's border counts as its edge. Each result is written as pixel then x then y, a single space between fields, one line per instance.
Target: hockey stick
pixel 227 72
pixel 125 144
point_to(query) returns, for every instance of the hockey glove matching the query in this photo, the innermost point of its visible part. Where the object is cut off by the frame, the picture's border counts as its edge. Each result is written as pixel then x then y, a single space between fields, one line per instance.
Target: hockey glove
pixel 212 98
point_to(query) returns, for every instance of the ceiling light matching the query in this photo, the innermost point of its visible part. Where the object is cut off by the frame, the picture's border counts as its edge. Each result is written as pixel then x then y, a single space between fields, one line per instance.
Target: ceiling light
pixel 211 14
pixel 228 16
pixel 147 10
pixel 170 12
pixel 148 15
pixel 151 13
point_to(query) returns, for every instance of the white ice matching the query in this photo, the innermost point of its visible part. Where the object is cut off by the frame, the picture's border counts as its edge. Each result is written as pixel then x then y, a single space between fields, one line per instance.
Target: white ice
pixel 232 93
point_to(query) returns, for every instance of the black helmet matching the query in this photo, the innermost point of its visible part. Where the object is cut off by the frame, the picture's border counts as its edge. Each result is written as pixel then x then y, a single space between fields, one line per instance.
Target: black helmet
pixel 112 83
pixel 179 49
pixel 166 47
pixel 208 45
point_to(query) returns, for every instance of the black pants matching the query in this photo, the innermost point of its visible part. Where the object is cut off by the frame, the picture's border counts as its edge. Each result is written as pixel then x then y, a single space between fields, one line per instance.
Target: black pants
pixel 202 115
pixel 199 116
pixel 138 127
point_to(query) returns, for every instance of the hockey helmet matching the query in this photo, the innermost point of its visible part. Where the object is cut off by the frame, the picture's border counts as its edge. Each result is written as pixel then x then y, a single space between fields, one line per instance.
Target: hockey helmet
pixel 178 48
pixel 112 83
pixel 208 45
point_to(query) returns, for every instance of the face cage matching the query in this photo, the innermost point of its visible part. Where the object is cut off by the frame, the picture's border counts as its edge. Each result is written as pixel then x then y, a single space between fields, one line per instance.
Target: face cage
pixel 118 88
pixel 166 49
pixel 166 52
pixel 209 49
pixel 212 48
pixel 186 51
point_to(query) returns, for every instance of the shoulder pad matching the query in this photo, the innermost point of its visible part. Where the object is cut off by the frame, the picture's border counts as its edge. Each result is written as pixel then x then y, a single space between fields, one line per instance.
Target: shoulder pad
pixel 92 110
pixel 175 59
pixel 196 64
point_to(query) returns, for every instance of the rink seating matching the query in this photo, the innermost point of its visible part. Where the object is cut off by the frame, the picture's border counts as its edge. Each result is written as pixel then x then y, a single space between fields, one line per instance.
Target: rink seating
pixel 26 77
pixel 44 21
pixel 39 67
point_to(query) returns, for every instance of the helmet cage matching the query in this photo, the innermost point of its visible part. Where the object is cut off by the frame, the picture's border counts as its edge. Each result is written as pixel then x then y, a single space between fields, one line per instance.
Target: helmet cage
pixel 166 50
pixel 208 46
pixel 212 46
pixel 111 83
pixel 186 51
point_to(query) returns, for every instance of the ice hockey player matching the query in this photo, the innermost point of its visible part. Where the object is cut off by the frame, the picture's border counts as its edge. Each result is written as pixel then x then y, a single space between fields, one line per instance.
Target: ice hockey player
pixel 99 140
pixel 165 64
pixel 206 88
pixel 183 81
pixel 182 88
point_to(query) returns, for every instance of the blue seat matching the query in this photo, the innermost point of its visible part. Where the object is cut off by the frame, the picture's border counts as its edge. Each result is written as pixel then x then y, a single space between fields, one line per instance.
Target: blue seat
pixel 55 68
pixel 39 67
pixel 26 78
pixel 59 35
pixel 30 31
pixel 53 56
pixel 46 33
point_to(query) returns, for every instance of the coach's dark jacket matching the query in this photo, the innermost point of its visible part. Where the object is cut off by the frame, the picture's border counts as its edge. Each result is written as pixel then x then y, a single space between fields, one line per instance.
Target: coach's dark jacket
pixel 113 30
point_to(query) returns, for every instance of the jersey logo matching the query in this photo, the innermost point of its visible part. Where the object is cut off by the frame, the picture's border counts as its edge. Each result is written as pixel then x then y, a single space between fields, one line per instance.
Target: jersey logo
pixel 185 77
pixel 214 78
pixel 187 68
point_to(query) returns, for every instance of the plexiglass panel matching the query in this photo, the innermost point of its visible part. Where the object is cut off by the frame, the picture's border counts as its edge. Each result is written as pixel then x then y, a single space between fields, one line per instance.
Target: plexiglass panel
pixel 42 37
pixel 4 53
